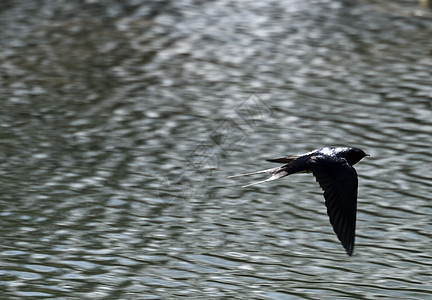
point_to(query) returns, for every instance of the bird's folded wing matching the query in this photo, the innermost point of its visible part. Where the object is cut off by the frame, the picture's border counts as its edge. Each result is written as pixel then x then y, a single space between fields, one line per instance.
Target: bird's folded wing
pixel 339 182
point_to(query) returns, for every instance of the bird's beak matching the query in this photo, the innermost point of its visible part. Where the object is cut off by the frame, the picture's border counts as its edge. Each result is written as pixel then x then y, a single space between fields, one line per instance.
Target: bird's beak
pixel 367 154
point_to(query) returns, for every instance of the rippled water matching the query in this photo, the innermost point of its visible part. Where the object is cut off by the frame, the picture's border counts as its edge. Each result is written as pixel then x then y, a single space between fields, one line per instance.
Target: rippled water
pixel 120 123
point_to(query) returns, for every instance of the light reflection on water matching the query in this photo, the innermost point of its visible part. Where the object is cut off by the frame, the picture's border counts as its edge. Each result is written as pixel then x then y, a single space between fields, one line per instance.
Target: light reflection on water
pixel 120 124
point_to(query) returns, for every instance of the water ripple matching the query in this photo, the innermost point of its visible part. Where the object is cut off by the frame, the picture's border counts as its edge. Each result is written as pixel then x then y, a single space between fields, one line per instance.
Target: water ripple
pixel 121 121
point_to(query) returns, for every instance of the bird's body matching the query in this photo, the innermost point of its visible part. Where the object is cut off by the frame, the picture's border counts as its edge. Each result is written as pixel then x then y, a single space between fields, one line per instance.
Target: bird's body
pixel 332 168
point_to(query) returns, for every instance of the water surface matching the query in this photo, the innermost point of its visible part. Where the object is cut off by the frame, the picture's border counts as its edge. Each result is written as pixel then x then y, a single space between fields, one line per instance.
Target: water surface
pixel 120 123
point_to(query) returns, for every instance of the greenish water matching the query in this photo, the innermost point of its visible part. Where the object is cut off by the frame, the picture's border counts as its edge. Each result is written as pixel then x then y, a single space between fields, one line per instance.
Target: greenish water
pixel 120 123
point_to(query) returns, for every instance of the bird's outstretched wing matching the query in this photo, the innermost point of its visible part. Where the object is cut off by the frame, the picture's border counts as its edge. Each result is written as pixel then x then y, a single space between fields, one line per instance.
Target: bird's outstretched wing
pixel 339 182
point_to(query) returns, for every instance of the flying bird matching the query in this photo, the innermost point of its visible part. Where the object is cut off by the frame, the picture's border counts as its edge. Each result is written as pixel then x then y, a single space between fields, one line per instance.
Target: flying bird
pixel 333 170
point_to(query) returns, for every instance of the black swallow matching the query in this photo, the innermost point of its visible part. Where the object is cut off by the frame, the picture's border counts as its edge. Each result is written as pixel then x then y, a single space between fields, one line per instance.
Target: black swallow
pixel 332 168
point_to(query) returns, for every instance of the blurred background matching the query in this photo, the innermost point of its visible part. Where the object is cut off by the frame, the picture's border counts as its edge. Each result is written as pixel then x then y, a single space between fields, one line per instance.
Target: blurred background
pixel 121 120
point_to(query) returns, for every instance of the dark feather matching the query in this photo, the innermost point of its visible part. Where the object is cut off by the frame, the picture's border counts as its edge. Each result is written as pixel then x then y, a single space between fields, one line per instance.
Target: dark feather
pixel 283 160
pixel 339 183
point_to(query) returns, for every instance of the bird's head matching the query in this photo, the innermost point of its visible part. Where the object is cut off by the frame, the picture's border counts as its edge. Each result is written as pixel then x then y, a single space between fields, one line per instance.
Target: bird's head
pixel 354 155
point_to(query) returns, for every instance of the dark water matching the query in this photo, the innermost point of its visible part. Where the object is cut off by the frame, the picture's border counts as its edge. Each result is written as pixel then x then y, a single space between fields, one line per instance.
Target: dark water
pixel 121 120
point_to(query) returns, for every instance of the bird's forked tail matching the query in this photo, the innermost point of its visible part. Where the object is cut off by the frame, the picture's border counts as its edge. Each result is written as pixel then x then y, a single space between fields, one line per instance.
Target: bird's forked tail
pixel 276 173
